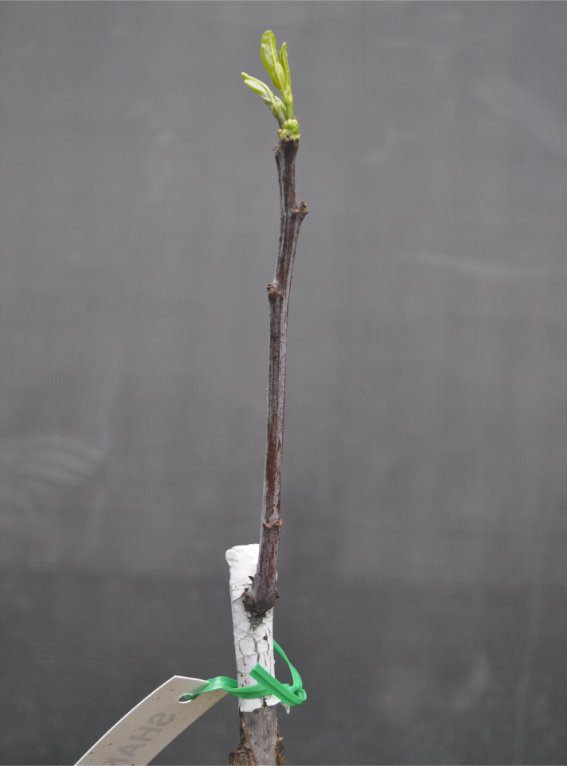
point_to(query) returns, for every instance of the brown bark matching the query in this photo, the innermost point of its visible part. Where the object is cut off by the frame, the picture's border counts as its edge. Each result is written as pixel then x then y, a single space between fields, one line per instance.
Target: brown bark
pixel 260 741
pixel 262 594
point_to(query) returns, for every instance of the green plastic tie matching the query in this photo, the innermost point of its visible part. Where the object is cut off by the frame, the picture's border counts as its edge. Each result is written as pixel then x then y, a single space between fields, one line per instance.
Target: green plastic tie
pixel 290 694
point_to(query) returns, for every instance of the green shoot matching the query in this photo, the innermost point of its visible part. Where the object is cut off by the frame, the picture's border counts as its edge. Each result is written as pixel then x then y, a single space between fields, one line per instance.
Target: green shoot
pixel 278 68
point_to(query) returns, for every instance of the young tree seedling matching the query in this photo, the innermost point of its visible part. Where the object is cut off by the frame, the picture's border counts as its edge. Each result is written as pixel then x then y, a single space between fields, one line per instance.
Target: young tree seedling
pixel 260 742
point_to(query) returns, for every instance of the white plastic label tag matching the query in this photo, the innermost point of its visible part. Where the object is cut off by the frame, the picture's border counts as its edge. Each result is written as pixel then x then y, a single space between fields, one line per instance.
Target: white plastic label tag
pixel 152 724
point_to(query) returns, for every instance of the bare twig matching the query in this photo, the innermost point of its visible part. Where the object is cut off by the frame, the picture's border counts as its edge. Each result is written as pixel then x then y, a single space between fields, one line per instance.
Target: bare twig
pixel 260 742
pixel 263 594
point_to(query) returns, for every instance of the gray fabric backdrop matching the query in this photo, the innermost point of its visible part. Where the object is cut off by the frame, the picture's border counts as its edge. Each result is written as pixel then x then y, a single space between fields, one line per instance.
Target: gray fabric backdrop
pixel 423 568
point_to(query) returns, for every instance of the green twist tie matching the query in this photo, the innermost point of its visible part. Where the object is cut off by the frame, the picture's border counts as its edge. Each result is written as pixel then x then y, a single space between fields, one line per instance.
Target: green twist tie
pixel 289 694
